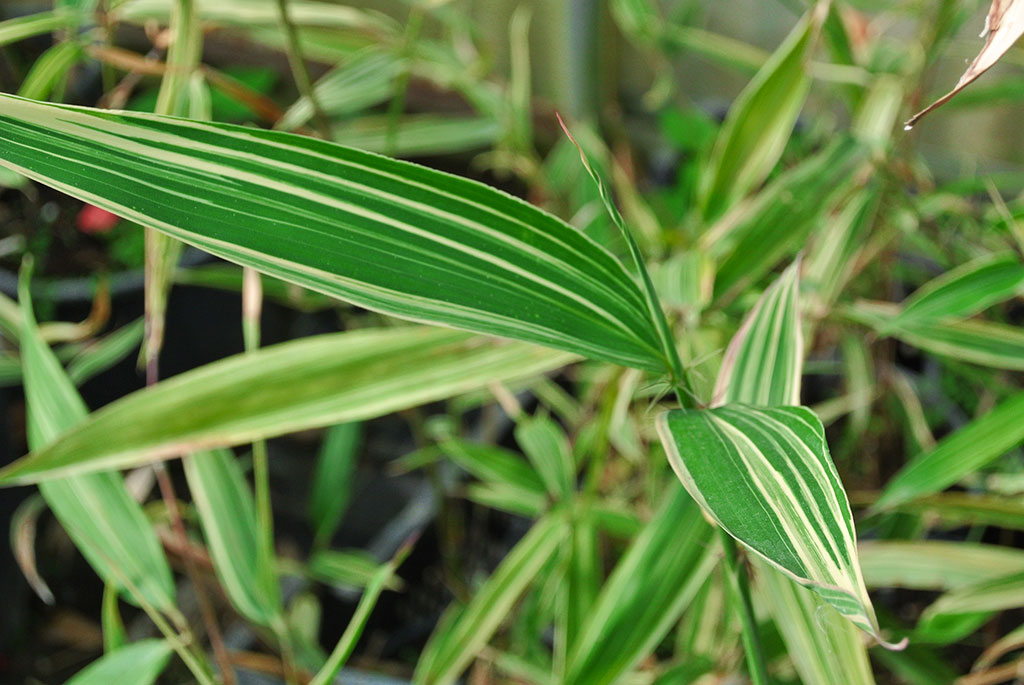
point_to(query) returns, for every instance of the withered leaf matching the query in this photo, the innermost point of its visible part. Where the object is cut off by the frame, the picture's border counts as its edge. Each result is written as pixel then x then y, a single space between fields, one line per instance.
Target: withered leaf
pixel 1003 26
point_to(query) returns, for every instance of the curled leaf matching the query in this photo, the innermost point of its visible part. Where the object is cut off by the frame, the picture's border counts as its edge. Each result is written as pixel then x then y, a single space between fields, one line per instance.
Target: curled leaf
pixel 1004 25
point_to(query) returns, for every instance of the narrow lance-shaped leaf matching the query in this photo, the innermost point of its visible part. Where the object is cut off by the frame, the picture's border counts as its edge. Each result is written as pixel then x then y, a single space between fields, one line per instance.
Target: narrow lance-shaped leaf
pixel 228 516
pixel 650 587
pixel 462 633
pixel 384 234
pixel 303 384
pixel 106 524
pixel 332 481
pixel 764 361
pixel 761 120
pixel 964 291
pixel 765 476
pixel 140 663
pixel 1004 25
pixel 983 440
pixel 986 343
pixel 764 365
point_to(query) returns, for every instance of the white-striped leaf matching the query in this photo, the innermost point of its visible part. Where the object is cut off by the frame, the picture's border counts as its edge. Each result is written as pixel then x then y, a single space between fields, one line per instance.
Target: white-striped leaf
pixel 764 366
pixel 764 362
pixel 765 475
pixel 228 516
pixel 298 385
pixel 384 234
pixel 106 524
pixel 963 291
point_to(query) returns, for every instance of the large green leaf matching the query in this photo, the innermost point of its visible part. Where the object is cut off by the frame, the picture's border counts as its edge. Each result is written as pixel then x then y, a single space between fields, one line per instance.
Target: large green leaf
pixel 384 234
pixel 106 524
pixel 293 386
pixel 765 476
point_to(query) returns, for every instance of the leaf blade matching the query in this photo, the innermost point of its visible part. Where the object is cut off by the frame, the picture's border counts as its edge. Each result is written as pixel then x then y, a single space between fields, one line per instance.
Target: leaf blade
pixel 384 234
pixel 307 383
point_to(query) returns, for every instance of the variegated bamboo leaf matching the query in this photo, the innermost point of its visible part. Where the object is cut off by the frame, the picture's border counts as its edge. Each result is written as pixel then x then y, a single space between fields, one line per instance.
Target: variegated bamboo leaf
pixel 307 383
pixel 228 516
pixel 384 234
pixel 106 524
pixel 764 365
pixel 765 476
pixel 764 361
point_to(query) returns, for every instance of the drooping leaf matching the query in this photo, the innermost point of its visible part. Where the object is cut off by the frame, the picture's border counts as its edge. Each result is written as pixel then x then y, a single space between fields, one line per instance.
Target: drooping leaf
pixel 765 476
pixel 384 234
pixel 1004 25
pixel 307 383
pixel 228 517
pixel 139 663
pixel 106 524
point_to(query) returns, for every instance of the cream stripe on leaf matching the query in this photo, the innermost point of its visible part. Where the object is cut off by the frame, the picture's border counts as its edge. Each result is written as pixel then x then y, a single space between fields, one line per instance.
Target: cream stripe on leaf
pixel 762 470
pixel 387 235
pixel 765 476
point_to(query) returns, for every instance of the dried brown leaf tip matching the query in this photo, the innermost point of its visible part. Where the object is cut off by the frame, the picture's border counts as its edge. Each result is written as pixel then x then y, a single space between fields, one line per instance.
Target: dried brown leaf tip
pixel 1003 26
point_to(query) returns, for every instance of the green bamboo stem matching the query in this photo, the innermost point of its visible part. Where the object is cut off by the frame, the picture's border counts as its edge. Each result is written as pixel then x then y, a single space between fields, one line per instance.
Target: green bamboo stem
pixel 299 71
pixel 740 584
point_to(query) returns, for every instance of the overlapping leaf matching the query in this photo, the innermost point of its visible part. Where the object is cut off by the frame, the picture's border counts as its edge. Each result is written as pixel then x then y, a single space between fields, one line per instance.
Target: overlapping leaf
pixel 107 525
pixel 765 475
pixel 228 516
pixel 384 234
pixel 293 386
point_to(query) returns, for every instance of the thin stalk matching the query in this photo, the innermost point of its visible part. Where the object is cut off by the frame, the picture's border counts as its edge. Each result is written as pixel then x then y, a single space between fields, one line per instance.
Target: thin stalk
pixel 252 311
pixel 183 57
pixel 740 584
pixel 397 105
pixel 299 71
pixel 220 652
